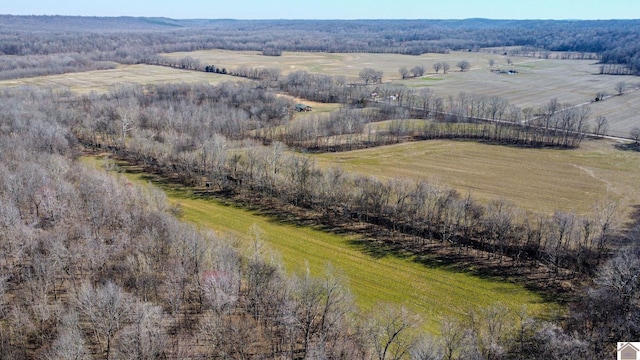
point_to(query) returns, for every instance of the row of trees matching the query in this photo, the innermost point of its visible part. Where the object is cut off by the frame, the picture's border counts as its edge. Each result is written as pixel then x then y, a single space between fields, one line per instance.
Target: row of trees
pixel 194 146
pixel 94 266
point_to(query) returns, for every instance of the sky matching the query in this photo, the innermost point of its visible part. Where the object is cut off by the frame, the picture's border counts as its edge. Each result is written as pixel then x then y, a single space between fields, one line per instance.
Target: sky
pixel 332 9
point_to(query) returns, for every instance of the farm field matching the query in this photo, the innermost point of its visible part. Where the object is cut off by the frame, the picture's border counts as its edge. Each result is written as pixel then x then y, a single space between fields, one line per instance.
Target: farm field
pixel 431 293
pixel 539 180
pixel 537 80
pixel 102 80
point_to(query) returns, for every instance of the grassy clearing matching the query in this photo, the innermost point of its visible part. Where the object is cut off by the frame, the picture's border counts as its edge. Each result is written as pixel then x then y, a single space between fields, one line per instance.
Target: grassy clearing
pixel 432 293
pixel 540 180
pixel 102 80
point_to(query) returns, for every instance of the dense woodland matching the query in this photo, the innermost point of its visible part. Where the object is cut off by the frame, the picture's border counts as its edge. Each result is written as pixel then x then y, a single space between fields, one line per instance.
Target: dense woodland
pixel 94 266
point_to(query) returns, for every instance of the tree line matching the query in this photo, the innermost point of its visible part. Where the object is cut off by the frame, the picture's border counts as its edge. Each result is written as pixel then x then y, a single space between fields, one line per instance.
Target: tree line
pixel 172 129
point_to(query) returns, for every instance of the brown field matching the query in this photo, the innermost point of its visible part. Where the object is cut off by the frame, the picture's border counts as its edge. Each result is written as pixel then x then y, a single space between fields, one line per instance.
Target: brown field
pixel 539 180
pixel 102 80
pixel 537 81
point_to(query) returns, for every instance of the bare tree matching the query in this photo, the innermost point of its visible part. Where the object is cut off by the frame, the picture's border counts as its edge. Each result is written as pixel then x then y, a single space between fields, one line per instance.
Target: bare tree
pixel 404 72
pixel 426 348
pixel 601 127
pixel 445 67
pixel 635 134
pixel 492 62
pixel 106 309
pixel 371 76
pixel 417 70
pixel 145 337
pixel 621 87
pixel 69 344
pixel 452 338
pixel 388 332
pixel 463 65
pixel 437 66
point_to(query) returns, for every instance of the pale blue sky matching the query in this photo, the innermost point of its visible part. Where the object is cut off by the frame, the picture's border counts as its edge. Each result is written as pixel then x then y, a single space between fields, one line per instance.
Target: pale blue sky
pixel 332 9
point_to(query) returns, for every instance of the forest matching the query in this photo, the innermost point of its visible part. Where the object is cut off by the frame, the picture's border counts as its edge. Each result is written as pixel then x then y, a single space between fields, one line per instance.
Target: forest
pixel 96 266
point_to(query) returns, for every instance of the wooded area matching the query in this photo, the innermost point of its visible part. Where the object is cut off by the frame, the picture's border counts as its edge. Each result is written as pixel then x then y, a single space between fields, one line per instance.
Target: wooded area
pixel 95 266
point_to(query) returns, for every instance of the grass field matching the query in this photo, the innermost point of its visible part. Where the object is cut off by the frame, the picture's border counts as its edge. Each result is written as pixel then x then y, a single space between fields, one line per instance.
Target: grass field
pixel 432 293
pixel 102 80
pixel 540 180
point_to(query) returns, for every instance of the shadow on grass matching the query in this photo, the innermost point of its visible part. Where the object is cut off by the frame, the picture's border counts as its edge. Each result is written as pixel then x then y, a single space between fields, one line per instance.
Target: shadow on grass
pixel 457 260
pixel 628 147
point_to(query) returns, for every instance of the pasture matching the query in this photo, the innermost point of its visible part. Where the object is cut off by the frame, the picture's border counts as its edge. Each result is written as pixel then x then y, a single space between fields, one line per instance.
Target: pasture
pixel 102 80
pixel 432 293
pixel 539 180
pixel 537 80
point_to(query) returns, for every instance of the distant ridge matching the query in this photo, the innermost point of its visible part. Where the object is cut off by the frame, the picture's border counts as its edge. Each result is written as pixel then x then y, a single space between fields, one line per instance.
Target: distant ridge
pixel 35 23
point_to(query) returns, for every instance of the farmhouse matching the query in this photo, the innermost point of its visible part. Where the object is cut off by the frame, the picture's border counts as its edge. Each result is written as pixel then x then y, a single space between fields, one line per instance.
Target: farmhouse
pixel 303 108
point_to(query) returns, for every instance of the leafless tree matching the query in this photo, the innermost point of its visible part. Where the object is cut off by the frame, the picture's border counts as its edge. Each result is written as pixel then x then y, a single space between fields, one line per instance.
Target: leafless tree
pixel 445 67
pixel 635 134
pixel 388 332
pixel 437 66
pixel 417 71
pixel 491 62
pixel 463 65
pixel 452 338
pixel 145 337
pixel 106 309
pixel 69 344
pixel 621 87
pixel 426 348
pixel 404 72
pixel 601 126
pixel 371 76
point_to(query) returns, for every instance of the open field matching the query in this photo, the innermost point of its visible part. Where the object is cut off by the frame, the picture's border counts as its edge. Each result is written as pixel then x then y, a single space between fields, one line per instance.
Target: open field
pixel 430 292
pixel 540 180
pixel 537 80
pixel 102 80
pixel 622 112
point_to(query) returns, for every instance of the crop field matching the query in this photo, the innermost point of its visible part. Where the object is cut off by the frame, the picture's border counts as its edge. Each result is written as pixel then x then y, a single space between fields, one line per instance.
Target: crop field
pixel 430 292
pixel 539 180
pixel 537 80
pixel 102 80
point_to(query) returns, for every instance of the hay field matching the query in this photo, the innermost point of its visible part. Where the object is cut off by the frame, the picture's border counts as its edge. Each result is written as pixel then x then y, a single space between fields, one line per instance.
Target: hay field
pixel 539 180
pixel 102 80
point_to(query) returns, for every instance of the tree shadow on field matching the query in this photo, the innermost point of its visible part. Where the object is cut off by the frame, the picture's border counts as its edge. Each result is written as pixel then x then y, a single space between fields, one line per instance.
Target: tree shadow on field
pixel 438 255
pixel 628 147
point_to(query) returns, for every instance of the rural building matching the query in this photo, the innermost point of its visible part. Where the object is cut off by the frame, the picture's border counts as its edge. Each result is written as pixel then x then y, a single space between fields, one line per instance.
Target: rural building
pixel 303 108
pixel 628 352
